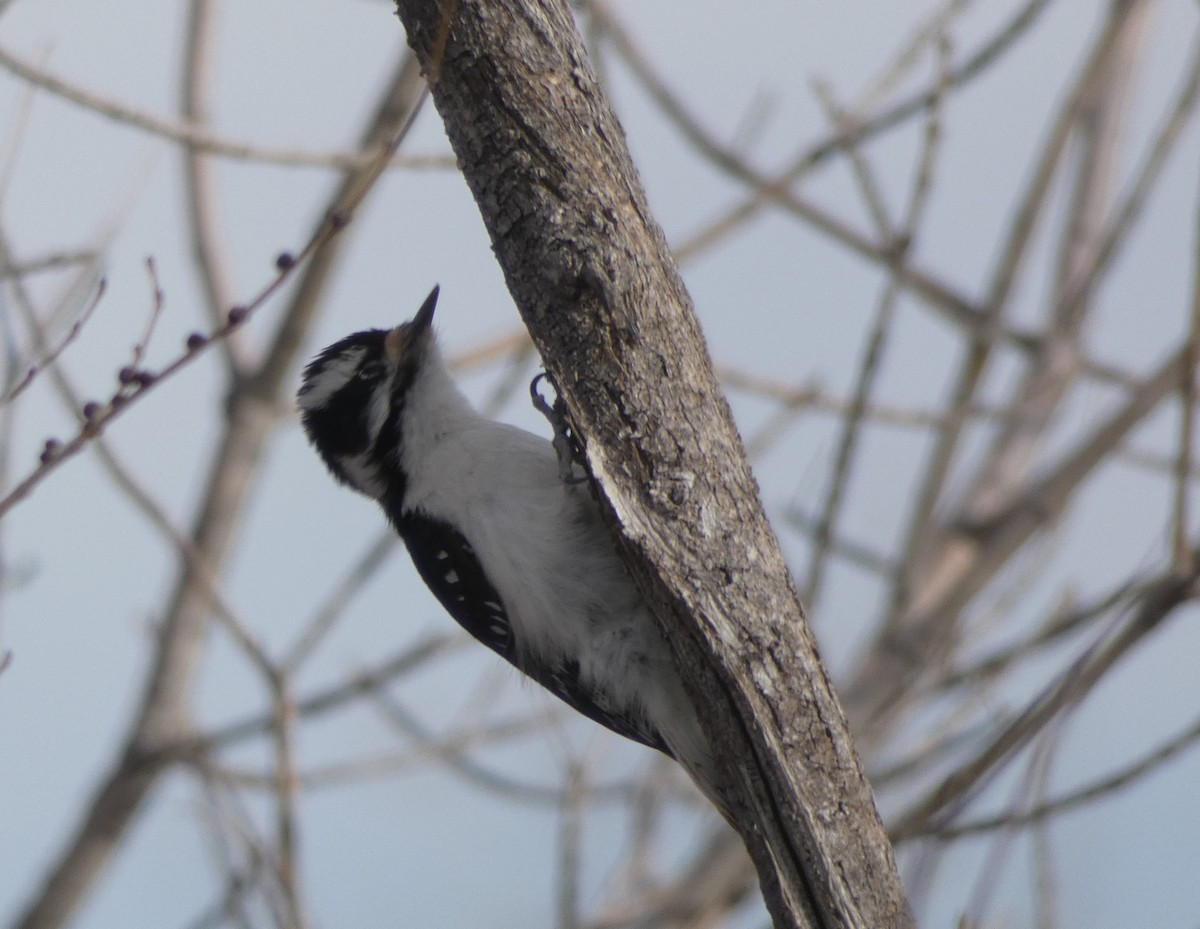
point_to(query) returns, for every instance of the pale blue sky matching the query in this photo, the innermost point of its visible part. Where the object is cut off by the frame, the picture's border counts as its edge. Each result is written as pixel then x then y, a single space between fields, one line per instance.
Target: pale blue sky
pixel 779 300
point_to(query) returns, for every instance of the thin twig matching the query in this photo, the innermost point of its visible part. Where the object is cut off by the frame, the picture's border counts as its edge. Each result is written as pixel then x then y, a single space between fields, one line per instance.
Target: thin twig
pixel 286 793
pixel 1058 625
pixel 926 816
pixel 130 394
pixel 1123 777
pixel 199 137
pixel 17 133
pixel 1187 416
pixel 778 191
pixel 452 756
pixel 851 427
pixel 570 842
pixel 162 714
pixel 73 333
pixel 1000 848
pixel 1045 866
pixel 53 261
pixel 870 189
pixel 158 300
pixel 206 231
pixel 916 563
pixel 324 618
pixel 329 699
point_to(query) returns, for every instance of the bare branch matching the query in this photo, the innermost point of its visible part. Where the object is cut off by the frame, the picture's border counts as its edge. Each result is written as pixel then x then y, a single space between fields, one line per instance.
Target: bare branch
pixel 918 560
pixel 1124 777
pixel 1187 414
pixel 876 340
pixel 49 359
pixel 199 138
pixel 252 414
pixel 927 815
pixel 205 226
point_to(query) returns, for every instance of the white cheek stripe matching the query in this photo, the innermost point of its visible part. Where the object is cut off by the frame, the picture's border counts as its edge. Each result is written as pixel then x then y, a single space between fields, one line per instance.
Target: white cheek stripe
pixel 363 476
pixel 336 375
pixel 377 410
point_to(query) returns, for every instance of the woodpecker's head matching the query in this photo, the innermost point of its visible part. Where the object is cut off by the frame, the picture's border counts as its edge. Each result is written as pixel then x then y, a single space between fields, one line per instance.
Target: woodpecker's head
pixel 353 396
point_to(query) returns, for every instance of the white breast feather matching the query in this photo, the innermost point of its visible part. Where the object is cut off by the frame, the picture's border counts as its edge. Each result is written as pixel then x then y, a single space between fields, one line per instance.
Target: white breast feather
pixel 500 486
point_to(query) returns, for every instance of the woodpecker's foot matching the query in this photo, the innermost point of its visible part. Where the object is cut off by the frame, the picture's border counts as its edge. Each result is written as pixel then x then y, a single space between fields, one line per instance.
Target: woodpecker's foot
pixel 568 450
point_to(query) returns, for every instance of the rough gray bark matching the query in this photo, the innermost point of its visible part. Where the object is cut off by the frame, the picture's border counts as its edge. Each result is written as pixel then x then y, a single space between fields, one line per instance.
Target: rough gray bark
pixel 595 283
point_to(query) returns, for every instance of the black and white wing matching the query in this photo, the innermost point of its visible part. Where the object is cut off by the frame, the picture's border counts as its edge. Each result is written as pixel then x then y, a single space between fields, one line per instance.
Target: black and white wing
pixel 448 566
pixel 451 570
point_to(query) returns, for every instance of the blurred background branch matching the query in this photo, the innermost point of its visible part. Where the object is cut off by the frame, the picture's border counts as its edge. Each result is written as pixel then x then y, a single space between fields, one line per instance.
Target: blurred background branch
pixel 947 263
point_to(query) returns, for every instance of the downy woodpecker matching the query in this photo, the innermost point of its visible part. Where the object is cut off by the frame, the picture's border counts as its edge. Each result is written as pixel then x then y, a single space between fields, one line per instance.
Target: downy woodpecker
pixel 519 558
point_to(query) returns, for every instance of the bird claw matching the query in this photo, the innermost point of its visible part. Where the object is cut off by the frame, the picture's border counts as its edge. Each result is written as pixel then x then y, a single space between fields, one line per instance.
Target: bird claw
pixel 568 450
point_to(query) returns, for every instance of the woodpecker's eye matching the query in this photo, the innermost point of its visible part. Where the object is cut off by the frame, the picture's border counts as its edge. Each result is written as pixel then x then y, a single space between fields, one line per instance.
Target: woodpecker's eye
pixel 372 371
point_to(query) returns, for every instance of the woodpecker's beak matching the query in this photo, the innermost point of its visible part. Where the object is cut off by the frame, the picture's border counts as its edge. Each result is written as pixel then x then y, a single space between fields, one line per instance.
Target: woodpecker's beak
pixel 396 341
pixel 424 317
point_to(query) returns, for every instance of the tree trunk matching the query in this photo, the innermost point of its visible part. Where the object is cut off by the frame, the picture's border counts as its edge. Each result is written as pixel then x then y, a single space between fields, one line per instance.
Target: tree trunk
pixel 598 289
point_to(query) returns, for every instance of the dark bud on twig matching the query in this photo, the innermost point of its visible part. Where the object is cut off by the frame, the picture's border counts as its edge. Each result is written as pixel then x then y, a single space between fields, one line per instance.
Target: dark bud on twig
pixel 236 315
pixel 196 341
pixel 339 219
pixel 50 450
pixel 126 375
pixel 91 410
pixel 144 378
pixel 284 261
